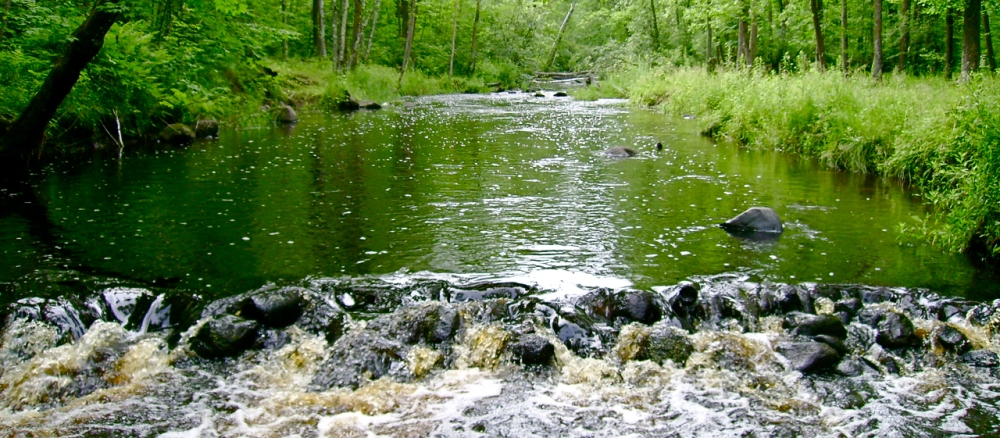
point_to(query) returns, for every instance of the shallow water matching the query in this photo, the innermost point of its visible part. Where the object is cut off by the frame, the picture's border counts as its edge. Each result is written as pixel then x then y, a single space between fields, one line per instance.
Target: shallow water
pixel 495 184
pixel 457 191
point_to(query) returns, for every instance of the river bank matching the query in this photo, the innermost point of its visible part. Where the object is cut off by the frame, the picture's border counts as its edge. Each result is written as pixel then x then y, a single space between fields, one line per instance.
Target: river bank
pixel 940 136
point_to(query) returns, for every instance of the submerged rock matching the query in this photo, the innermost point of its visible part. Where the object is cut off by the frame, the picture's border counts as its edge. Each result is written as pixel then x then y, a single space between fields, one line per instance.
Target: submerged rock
pixel 177 134
pixel 225 336
pixel 809 357
pixel 754 220
pixel 619 152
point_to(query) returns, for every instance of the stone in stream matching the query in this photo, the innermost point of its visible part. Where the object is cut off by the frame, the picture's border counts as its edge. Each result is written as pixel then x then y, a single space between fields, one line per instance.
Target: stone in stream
pixel 177 134
pixel 628 306
pixel 951 338
pixel 666 342
pixel 560 94
pixel 808 357
pixel 532 349
pixel 895 331
pixel 275 308
pixel 820 325
pixel 286 115
pixel 754 220
pixel 225 336
pixel 619 152
pixel 981 358
pixel 207 128
pixel 60 313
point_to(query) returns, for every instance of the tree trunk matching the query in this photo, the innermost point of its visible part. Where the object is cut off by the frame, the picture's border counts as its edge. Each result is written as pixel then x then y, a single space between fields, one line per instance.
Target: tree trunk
pixel 753 43
pixel 409 38
pixel 708 43
pixel 877 57
pixel 357 32
pixel 742 51
pixel 25 136
pixel 371 38
pixel 817 15
pixel 904 34
pixel 949 42
pixel 970 38
pixel 991 60
pixel 454 38
pixel 475 32
pixel 555 47
pixel 342 55
pixel 843 35
pixel 284 20
pixel 319 28
pixel 656 29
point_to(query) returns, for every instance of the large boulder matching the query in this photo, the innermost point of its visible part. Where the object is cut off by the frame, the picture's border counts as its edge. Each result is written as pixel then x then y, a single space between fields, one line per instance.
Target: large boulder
pixel 225 336
pixel 754 220
pixel 206 128
pixel 177 134
pixel 286 115
pixel 809 357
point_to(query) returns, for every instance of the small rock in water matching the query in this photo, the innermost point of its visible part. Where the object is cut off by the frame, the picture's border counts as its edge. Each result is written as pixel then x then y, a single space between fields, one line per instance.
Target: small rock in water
pixel 275 308
pixel 953 339
pixel 286 114
pixel 206 128
pixel 177 134
pixel 533 350
pixel 560 94
pixel 665 343
pixel 226 336
pixel 981 358
pixel 619 152
pixel 896 331
pixel 755 220
pixel 638 306
pixel 809 357
pixel 822 325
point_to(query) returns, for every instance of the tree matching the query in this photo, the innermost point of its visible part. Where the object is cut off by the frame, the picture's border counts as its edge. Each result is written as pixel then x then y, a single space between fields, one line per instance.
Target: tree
pixel 877 56
pixel 25 136
pixel 970 38
pixel 843 36
pixel 817 16
pixel 475 33
pixel 991 60
pixel 411 24
pixel 319 31
pixel 454 37
pixel 949 42
pixel 555 46
pixel 904 34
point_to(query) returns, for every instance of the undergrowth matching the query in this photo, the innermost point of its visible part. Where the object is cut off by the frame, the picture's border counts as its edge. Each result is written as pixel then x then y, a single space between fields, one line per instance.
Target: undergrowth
pixel 942 137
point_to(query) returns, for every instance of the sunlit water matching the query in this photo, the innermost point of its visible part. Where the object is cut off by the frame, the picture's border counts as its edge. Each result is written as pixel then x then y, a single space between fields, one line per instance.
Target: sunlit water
pixel 464 188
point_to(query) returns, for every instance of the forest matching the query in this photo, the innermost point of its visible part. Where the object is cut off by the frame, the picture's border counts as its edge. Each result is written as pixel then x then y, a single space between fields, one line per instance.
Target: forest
pixel 898 88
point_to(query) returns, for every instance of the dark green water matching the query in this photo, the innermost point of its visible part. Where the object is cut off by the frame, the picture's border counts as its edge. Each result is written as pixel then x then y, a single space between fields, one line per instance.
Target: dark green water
pixel 494 185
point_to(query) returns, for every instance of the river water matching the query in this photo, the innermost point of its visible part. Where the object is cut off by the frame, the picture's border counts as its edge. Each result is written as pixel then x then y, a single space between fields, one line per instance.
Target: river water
pixel 464 189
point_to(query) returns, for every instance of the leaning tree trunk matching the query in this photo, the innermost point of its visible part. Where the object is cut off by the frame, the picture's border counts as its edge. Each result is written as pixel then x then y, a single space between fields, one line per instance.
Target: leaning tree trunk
pixel 843 35
pixel 904 34
pixel 949 42
pixel 371 38
pixel 411 24
pixel 991 60
pixel 877 56
pixel 319 28
pixel 25 136
pixel 970 38
pixel 817 15
pixel 555 47
pixel 454 38
pixel 475 33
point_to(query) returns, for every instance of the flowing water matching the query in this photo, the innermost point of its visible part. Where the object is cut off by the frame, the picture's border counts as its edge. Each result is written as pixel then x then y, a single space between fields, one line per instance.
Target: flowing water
pixel 460 190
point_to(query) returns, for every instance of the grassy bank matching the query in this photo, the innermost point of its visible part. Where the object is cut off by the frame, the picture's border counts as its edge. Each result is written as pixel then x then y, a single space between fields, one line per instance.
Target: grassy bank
pixel 940 136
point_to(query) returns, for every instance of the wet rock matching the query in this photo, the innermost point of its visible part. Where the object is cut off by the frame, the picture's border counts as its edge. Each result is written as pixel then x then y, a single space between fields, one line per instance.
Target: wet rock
pixel 225 336
pixel 275 308
pixel 286 114
pixel 323 317
pixel 835 343
pixel 877 295
pixel 59 313
pixel 206 128
pixel 121 303
pixel 560 94
pixel 638 306
pixel 780 300
pixel 177 134
pixel 854 368
pixel 575 337
pixel 820 325
pixel 985 314
pixel 981 358
pixel 370 105
pixel 539 94
pixel 951 338
pixel 754 220
pixel 272 339
pixel 809 357
pixel 533 350
pixel 895 331
pixel 665 343
pixel 619 152
pixel 851 306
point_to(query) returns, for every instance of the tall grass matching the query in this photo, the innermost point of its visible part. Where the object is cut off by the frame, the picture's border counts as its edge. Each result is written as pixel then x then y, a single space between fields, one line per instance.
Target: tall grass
pixel 940 136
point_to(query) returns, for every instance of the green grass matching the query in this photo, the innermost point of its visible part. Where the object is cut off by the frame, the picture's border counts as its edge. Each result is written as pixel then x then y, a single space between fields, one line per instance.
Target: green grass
pixel 940 136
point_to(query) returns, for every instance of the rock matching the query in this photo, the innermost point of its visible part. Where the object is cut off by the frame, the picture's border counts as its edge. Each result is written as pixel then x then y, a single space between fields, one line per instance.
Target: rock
pixel 659 146
pixel 574 336
pixel 981 358
pixel 809 357
pixel 275 308
pixel 835 343
pixel 754 220
pixel 225 336
pixel 822 325
pixel 60 313
pixel 370 105
pixel 638 306
pixel 177 134
pixel 272 339
pixel 780 300
pixel 323 317
pixel 539 94
pixel 667 343
pixel 895 331
pixel 206 128
pixel 851 306
pixel 286 114
pixel 560 94
pixel 350 103
pixel 953 339
pixel 533 350
pixel 619 152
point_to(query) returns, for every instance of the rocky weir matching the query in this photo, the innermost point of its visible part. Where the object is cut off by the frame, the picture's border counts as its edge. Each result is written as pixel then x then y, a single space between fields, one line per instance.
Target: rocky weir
pixel 427 355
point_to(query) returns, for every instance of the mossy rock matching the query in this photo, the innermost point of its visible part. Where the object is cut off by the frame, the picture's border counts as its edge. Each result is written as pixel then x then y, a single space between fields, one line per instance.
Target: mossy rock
pixel 177 134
